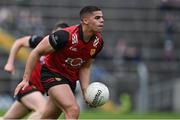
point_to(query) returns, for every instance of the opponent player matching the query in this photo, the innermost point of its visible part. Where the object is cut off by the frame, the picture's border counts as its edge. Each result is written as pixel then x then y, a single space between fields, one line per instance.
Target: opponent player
pixel 70 54
pixel 31 98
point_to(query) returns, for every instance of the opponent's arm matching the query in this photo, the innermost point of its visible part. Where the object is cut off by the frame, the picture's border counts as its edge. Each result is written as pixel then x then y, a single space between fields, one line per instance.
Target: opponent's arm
pixel 18 44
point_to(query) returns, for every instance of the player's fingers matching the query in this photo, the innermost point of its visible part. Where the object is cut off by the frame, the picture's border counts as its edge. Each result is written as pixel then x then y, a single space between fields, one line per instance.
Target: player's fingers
pixel 9 71
pixel 23 88
pixel 18 88
pixel 15 93
pixel 89 104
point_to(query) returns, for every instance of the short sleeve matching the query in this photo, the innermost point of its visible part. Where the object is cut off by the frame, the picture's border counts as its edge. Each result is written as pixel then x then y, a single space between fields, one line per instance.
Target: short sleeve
pixel 58 39
pixel 34 41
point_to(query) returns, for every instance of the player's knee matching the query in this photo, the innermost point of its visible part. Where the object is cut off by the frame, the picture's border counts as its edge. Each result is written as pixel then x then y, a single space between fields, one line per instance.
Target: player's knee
pixel 76 109
pixel 41 111
pixel 38 111
pixel 73 111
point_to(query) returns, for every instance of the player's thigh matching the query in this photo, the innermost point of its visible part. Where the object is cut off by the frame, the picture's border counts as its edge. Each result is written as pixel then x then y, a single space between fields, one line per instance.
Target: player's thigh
pixel 34 100
pixel 16 111
pixel 62 96
pixel 51 110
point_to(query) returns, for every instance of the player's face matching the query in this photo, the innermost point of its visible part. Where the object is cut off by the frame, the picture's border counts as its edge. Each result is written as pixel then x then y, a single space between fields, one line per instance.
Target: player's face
pixel 96 21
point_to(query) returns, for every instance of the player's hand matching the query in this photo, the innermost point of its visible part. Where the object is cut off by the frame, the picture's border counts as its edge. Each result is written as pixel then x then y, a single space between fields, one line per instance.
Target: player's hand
pixel 22 85
pixel 85 99
pixel 90 105
pixel 84 96
pixel 9 68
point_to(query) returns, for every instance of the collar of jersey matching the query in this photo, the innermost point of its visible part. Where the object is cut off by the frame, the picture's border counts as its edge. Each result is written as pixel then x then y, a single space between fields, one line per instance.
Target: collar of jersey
pixel 81 35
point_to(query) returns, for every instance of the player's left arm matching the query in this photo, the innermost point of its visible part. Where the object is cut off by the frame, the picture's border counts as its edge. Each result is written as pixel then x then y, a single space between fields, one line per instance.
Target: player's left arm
pixel 84 75
pixel 85 71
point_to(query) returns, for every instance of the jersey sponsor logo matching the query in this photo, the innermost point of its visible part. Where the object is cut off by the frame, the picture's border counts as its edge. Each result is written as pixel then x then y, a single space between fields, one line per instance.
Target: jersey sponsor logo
pixel 96 41
pixel 74 38
pixel 92 52
pixel 74 62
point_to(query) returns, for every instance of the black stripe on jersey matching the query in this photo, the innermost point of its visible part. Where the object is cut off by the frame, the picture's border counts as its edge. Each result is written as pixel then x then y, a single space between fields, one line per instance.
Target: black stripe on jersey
pixel 34 41
pixel 58 39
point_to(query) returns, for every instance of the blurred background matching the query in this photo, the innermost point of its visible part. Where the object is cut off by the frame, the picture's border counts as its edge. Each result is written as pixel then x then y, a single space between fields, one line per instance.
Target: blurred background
pixel 139 62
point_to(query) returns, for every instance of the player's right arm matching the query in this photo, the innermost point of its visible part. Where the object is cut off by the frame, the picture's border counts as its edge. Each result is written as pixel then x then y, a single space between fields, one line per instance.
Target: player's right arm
pixel 49 44
pixel 41 49
pixel 18 44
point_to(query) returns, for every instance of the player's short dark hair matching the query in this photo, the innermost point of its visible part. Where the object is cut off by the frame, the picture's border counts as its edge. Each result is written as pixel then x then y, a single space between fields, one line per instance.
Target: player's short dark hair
pixel 60 25
pixel 87 10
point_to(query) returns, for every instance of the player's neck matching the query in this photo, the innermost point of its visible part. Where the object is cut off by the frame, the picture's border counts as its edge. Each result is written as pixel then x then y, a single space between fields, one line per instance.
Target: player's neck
pixel 87 34
pixel 87 37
